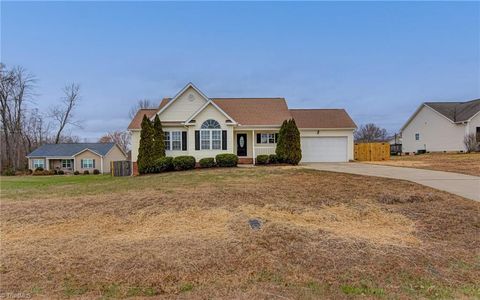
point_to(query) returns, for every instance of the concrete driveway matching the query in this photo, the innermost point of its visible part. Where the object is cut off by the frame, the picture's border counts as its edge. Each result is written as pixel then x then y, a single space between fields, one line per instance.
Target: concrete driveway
pixel 463 185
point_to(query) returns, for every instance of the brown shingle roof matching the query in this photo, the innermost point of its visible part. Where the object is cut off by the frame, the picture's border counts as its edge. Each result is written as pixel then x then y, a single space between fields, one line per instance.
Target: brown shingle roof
pixel 137 120
pixel 255 111
pixel 322 118
pixel 164 102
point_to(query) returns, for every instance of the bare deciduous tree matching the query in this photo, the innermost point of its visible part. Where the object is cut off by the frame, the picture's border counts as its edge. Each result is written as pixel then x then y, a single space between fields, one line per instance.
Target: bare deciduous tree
pixel 144 103
pixel 121 138
pixel 63 114
pixel 471 143
pixel 371 133
pixel 16 86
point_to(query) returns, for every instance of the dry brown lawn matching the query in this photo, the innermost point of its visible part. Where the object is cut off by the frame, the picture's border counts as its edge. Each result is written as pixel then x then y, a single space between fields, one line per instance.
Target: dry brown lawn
pixel 465 163
pixel 186 235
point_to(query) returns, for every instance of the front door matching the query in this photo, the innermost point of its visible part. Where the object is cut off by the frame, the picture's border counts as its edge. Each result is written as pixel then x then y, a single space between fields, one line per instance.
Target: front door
pixel 242 144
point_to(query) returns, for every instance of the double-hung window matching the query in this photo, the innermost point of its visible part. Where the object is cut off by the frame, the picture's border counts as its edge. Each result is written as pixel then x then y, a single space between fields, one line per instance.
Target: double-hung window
pixel 267 138
pixel 176 140
pixel 210 135
pixel 417 136
pixel 66 163
pixel 167 140
pixel 38 163
pixel 173 140
pixel 87 163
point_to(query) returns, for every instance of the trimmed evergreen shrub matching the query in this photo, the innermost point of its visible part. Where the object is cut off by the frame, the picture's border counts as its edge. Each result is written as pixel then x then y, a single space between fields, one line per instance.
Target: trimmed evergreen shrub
pixel 55 172
pixel 184 162
pixel 86 172
pixel 76 173
pixel 207 162
pixel 272 159
pixel 288 148
pixel 294 149
pixel 39 169
pixel 262 159
pixel 29 172
pixel 164 164
pixel 226 160
pixel 96 172
pixel 158 150
pixel 60 172
pixel 8 172
pixel 145 151
pixel 50 172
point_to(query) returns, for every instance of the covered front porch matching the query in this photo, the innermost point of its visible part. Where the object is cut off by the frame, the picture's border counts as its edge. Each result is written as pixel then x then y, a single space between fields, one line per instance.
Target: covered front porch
pixel 249 143
pixel 65 164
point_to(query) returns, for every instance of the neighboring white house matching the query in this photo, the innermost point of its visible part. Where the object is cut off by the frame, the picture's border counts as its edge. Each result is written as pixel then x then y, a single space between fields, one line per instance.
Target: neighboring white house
pixel 197 125
pixel 441 126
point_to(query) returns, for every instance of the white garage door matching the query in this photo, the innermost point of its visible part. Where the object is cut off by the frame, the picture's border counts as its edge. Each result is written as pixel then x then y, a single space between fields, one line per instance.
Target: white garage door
pixel 324 149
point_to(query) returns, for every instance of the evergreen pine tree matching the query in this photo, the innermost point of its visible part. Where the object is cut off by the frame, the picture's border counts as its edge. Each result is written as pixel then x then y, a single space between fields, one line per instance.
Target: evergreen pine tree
pixel 145 151
pixel 158 140
pixel 280 149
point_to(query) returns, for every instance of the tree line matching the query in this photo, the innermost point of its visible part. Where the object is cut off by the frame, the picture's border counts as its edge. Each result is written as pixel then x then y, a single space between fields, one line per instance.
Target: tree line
pixel 23 126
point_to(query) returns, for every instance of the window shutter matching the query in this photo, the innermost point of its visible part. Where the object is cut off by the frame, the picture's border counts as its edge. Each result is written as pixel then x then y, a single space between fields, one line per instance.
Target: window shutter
pixel 94 164
pixel 259 138
pixel 184 141
pixel 224 140
pixel 197 139
pixel 81 163
pixel 276 137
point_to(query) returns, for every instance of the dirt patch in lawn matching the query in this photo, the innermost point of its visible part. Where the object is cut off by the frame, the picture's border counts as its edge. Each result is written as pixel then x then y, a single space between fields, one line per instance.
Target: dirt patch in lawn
pixel 464 163
pixel 187 234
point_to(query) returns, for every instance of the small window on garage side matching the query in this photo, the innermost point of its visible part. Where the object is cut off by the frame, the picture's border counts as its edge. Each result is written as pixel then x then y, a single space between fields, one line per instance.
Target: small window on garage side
pixel 478 134
pixel 417 136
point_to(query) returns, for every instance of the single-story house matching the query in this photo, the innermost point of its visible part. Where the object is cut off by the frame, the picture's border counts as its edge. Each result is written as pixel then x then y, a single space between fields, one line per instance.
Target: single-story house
pixel 197 125
pixel 441 126
pixel 76 157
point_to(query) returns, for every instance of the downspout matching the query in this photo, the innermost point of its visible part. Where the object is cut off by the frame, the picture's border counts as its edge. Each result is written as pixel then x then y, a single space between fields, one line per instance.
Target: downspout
pixel 101 166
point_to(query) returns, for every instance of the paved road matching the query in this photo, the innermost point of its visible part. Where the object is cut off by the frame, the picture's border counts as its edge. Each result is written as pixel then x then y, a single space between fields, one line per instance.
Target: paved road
pixel 463 185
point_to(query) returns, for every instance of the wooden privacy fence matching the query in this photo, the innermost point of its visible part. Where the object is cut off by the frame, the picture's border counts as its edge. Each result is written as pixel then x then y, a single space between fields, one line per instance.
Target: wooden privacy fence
pixel 372 151
pixel 121 168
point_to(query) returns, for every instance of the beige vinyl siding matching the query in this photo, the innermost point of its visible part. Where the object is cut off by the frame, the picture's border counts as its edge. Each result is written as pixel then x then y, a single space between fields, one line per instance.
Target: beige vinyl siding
pixel 473 124
pixel 436 133
pixel 135 139
pixel 184 106
pixel 209 112
pixel 115 154
pixel 87 154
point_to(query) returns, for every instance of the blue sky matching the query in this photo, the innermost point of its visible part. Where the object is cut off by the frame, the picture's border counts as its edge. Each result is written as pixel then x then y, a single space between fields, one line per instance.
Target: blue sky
pixel 378 60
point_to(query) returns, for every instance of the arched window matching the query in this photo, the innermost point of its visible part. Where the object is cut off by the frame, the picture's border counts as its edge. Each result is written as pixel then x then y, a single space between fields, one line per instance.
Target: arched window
pixel 210 135
pixel 210 124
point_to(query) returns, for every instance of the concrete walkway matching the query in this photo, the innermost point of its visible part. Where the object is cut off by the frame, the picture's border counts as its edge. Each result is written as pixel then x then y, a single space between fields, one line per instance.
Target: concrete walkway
pixel 463 185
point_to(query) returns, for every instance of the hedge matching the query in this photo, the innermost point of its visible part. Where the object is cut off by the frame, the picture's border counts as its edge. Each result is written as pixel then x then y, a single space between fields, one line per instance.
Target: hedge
pixel 96 172
pixel 86 172
pixel 184 162
pixel 226 160
pixel 164 164
pixel 262 159
pixel 272 159
pixel 207 162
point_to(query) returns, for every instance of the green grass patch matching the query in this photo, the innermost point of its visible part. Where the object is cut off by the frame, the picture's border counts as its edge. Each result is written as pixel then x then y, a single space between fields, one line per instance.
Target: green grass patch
pixel 186 287
pixel 362 290
pixel 72 289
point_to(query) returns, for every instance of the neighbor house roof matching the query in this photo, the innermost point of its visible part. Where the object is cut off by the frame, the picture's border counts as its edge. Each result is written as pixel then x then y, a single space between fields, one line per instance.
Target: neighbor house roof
pixel 255 111
pixel 456 111
pixel 136 122
pixel 322 118
pixel 66 150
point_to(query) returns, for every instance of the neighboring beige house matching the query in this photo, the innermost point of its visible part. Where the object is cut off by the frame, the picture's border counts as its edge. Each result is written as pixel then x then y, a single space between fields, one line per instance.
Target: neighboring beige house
pixel 197 125
pixel 76 157
pixel 441 126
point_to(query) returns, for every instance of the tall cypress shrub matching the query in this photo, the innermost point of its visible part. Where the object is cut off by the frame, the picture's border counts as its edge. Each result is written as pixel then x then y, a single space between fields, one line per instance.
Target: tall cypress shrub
pixel 158 139
pixel 145 151
pixel 294 149
pixel 280 150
